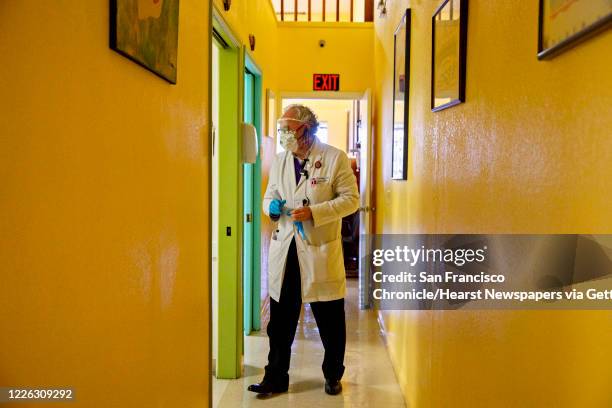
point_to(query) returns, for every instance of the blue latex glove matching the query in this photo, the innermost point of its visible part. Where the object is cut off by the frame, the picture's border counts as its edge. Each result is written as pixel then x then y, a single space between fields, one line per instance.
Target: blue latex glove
pixel 276 207
pixel 300 228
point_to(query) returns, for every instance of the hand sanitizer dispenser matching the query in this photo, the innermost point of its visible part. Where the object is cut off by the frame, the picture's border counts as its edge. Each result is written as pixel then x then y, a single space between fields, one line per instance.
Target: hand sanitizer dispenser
pixel 249 143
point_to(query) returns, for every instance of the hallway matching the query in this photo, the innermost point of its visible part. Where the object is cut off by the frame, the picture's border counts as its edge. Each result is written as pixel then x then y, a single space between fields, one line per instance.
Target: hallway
pixel 369 380
pixel 139 140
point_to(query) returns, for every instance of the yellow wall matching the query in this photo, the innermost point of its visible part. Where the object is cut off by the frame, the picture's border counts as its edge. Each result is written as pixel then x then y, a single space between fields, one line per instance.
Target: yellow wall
pixel 529 151
pixel 104 210
pixel 348 52
pixel 255 17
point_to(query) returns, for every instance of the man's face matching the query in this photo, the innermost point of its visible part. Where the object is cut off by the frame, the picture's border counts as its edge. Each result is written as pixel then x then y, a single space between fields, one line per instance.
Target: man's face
pixel 289 122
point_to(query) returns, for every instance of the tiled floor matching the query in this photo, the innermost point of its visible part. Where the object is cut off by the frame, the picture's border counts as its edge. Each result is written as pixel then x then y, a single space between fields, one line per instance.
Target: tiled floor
pixel 369 380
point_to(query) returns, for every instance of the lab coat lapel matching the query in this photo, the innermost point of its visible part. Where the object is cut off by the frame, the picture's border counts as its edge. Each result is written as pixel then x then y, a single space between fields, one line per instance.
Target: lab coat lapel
pixel 302 181
pixel 318 158
pixel 315 154
pixel 290 169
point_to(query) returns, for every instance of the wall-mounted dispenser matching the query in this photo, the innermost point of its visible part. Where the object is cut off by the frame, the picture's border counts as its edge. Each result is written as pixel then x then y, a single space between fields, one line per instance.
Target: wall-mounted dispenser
pixel 249 143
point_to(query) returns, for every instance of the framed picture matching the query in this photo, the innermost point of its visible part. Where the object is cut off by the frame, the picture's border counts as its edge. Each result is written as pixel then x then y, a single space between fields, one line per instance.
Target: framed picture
pixel 564 23
pixel 401 87
pixel 146 31
pixel 448 54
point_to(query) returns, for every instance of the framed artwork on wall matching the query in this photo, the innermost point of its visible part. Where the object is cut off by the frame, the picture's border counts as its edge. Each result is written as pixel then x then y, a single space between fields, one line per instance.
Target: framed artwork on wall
pixel 401 87
pixel 146 31
pixel 565 23
pixel 448 54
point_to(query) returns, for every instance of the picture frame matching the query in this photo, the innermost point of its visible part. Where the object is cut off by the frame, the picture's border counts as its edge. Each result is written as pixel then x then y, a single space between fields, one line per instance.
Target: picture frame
pixel 448 54
pixel 401 97
pixel 562 24
pixel 146 32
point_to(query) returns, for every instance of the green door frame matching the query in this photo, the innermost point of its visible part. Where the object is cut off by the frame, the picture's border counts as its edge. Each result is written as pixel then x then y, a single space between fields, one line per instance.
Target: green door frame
pixel 248 230
pixel 252 201
pixel 230 339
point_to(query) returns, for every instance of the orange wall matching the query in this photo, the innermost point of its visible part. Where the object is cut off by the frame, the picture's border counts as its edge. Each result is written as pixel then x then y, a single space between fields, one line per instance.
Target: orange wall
pixel 104 210
pixel 529 152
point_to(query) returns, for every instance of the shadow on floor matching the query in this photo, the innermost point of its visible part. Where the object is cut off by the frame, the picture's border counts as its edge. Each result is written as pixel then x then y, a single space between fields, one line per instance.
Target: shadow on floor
pixel 306 385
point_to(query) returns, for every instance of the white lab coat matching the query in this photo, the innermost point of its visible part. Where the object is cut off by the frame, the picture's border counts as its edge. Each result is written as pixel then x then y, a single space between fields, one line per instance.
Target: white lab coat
pixel 332 190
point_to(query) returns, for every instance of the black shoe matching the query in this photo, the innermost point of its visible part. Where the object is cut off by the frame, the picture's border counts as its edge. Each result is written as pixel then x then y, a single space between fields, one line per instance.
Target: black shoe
pixel 269 387
pixel 333 387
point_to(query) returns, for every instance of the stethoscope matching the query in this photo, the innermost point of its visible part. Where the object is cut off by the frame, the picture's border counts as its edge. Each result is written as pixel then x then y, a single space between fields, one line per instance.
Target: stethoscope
pixel 304 173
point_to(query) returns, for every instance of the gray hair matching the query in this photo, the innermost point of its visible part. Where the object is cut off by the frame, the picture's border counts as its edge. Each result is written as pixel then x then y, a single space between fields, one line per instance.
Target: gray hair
pixel 306 115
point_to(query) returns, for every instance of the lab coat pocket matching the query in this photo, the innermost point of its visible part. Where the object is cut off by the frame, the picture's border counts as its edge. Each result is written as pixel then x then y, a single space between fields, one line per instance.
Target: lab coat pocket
pixel 328 263
pixel 276 259
pixel 320 191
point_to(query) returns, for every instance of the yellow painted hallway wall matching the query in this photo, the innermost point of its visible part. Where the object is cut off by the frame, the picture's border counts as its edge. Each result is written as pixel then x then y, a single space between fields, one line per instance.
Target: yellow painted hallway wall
pixel 103 248
pixel 348 51
pixel 529 152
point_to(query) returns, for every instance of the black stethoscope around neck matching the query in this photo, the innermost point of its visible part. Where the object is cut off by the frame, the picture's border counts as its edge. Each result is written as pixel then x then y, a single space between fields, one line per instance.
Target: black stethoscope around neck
pixel 304 173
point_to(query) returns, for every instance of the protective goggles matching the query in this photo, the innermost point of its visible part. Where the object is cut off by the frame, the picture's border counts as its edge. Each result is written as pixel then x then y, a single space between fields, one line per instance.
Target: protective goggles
pixel 283 124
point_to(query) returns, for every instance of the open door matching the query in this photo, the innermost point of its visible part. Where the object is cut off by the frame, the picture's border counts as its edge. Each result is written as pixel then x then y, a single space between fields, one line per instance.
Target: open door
pixel 365 147
pixel 227 182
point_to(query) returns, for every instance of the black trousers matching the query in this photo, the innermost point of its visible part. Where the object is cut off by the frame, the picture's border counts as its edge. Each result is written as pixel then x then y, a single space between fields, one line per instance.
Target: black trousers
pixel 284 317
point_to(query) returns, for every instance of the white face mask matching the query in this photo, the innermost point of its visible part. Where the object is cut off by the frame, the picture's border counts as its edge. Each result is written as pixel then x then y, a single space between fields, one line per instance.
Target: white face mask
pixel 288 140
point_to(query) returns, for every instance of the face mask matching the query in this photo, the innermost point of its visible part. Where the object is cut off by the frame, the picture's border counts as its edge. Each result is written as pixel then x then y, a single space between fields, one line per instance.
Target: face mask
pixel 288 140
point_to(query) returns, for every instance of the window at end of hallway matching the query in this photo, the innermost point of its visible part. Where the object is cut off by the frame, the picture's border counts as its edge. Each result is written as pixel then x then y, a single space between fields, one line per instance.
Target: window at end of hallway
pixel 355 11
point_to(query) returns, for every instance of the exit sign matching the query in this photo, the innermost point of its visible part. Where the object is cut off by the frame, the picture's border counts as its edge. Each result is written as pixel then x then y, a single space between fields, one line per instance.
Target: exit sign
pixel 326 82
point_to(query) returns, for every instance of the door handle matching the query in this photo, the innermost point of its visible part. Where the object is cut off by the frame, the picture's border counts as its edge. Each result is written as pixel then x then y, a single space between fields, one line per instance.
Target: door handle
pixel 248 217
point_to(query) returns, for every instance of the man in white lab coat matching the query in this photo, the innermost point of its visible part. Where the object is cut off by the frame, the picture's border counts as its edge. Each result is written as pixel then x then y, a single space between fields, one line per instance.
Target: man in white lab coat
pixel 310 189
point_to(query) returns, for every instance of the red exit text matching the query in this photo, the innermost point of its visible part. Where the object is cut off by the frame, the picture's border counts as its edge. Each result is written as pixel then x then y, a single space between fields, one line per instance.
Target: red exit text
pixel 326 82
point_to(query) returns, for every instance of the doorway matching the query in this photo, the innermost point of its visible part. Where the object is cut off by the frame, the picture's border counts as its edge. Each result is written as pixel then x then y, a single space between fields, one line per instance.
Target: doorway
pixel 236 218
pixel 226 226
pixel 345 123
pixel 252 202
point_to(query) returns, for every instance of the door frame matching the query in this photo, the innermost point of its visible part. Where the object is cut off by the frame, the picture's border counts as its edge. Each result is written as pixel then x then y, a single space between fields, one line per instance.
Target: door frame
pixel 252 280
pixel 367 202
pixel 229 297
pixel 315 95
pixel 318 95
pixel 364 279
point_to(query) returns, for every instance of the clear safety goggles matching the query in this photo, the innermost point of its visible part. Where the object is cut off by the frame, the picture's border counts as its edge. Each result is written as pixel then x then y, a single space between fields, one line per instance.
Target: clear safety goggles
pixel 283 124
